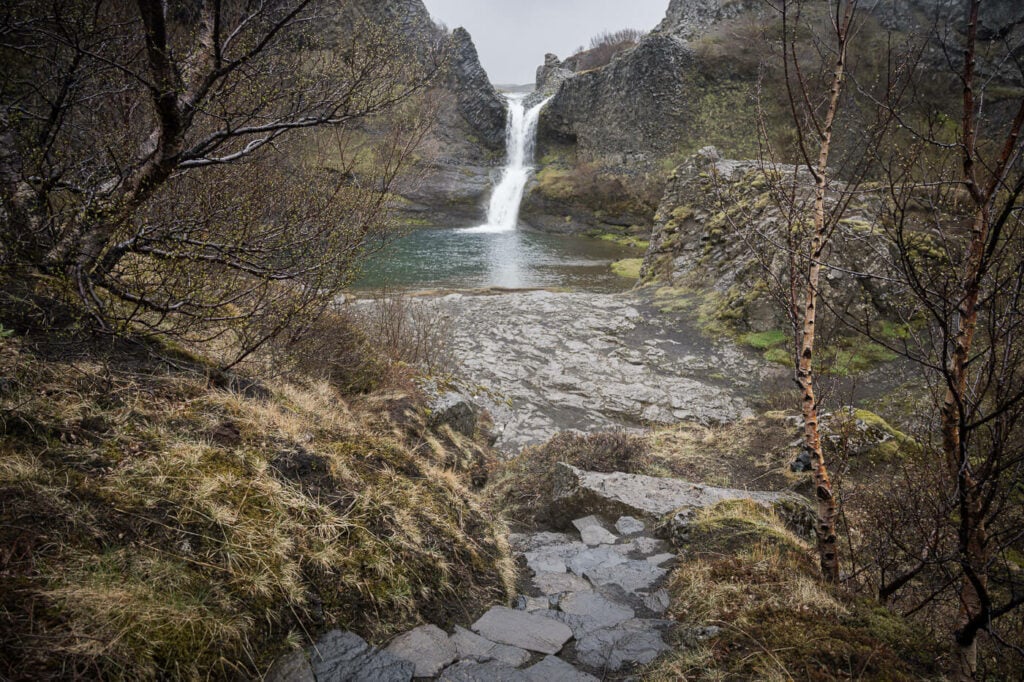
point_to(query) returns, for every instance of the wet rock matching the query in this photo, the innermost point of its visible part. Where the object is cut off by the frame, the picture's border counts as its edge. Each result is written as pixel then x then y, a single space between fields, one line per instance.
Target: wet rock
pixel 554 669
pixel 524 630
pixel 636 641
pixel 593 533
pixel 427 647
pixel 341 656
pixel 469 645
pixel 555 361
pixel 627 525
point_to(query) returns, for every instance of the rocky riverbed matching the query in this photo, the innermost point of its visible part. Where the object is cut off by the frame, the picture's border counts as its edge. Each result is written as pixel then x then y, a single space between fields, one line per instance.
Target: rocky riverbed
pixel 543 361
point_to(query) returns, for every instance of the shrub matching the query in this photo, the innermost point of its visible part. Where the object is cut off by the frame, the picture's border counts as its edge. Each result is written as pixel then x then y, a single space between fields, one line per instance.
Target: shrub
pixel 525 483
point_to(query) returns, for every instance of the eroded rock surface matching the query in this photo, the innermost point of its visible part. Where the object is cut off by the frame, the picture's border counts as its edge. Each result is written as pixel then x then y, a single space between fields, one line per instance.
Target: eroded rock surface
pixel 590 362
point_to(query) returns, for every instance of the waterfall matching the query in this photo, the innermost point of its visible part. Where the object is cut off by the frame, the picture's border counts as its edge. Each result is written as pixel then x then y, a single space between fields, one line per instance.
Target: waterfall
pixel 520 136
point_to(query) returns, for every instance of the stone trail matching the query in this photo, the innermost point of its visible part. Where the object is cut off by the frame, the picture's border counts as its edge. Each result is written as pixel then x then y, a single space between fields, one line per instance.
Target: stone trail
pixel 601 594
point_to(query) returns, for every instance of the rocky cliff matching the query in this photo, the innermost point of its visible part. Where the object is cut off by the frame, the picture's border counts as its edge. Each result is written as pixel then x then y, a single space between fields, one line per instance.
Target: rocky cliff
pixel 705 76
pixel 468 140
pixel 714 247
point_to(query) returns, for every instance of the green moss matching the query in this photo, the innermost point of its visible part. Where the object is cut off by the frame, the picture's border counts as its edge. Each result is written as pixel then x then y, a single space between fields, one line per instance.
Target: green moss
pixel 765 340
pixel 628 267
pixel 624 240
pixel 857 356
pixel 780 356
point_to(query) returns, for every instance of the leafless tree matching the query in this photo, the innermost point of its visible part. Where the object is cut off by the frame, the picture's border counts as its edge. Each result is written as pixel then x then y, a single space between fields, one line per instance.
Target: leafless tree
pixel 142 166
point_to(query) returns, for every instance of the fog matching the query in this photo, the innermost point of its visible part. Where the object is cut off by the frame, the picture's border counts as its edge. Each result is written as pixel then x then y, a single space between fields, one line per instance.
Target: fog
pixel 512 36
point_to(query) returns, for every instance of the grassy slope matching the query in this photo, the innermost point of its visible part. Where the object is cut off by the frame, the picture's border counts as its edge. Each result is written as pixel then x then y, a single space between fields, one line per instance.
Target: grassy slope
pixel 153 526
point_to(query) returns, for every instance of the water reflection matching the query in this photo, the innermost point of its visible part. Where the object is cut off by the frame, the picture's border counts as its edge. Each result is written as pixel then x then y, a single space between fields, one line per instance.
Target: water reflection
pixel 449 258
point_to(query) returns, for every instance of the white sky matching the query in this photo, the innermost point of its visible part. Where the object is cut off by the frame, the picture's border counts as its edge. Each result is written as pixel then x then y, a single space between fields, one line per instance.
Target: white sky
pixel 512 36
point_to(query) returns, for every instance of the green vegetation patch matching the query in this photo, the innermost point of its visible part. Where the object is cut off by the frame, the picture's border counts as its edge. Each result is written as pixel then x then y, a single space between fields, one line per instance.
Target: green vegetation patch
pixel 628 267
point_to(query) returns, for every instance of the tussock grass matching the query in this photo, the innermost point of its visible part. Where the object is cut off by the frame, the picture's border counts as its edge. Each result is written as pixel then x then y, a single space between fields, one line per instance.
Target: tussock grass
pixel 155 527
pixel 524 485
pixel 742 571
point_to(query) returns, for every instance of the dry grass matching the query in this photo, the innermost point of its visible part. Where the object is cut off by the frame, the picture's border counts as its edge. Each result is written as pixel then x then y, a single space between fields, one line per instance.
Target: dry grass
pixel 745 573
pixel 154 527
pixel 524 485
pixel 749 453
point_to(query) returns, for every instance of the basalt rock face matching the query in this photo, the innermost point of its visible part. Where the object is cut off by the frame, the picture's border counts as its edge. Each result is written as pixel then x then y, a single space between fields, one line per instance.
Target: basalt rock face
pixel 479 103
pixel 633 107
pixel 468 140
pixel 688 19
pixel 718 215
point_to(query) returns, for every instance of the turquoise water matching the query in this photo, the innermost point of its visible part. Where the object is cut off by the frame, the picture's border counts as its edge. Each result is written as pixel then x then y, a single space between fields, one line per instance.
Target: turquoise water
pixel 456 259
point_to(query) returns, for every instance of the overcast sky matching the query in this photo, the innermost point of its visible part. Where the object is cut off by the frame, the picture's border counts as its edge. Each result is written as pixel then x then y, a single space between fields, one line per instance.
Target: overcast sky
pixel 512 36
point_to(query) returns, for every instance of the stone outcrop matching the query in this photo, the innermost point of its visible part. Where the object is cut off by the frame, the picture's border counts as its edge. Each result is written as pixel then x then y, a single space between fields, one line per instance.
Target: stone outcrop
pixel 468 140
pixel 479 104
pixel 688 19
pixel 716 210
pixel 556 361
pixel 655 499
pixel 632 109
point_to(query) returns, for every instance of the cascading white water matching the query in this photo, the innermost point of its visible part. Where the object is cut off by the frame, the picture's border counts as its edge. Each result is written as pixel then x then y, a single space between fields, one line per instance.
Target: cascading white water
pixel 520 135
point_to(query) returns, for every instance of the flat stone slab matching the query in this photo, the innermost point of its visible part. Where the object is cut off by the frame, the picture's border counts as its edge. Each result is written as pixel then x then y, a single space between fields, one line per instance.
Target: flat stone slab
pixel 524 630
pixel 600 611
pixel 593 532
pixel 579 493
pixel 489 671
pixel 553 558
pixel 469 645
pixel 342 656
pixel 643 546
pixel 627 525
pixel 554 669
pixel 592 559
pixel 631 576
pixel 557 583
pixel 661 559
pixel 636 642
pixel 427 647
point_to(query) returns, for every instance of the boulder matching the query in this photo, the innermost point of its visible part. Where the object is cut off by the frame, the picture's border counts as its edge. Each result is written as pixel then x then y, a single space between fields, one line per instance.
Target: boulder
pixel 579 493
pixel 455 410
pixel 627 525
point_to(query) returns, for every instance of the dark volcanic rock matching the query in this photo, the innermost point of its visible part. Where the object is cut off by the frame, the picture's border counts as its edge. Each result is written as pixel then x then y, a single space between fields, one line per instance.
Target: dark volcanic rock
pixel 478 102
pixel 633 107
pixel 689 18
